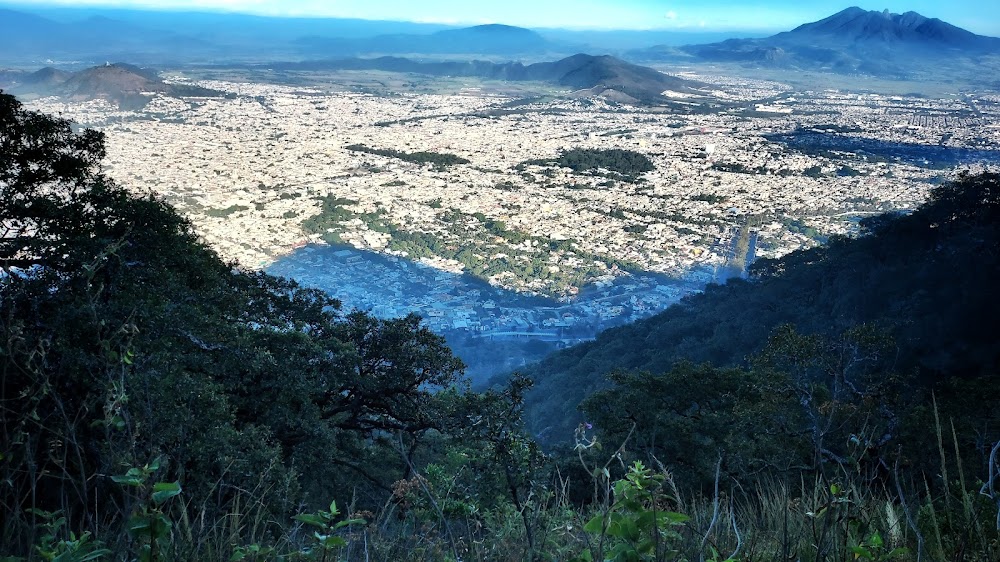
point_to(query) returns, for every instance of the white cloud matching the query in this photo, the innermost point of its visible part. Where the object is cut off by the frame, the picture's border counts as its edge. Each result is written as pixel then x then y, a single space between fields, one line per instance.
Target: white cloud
pixel 671 15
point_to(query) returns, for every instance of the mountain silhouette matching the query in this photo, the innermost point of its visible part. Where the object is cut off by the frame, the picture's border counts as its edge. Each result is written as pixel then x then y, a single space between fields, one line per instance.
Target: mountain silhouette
pixel 852 41
pixel 481 40
pixel 127 85
pixel 597 75
pixel 855 25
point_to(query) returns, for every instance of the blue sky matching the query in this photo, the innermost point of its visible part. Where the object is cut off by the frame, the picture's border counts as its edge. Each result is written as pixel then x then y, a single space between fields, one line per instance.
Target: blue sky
pixel 980 16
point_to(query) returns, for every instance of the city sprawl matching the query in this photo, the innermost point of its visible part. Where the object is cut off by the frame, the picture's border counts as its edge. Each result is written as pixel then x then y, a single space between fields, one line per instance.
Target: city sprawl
pixel 760 161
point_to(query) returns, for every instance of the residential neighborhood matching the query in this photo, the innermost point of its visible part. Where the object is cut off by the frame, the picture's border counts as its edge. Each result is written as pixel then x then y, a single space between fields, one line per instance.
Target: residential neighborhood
pixel 250 168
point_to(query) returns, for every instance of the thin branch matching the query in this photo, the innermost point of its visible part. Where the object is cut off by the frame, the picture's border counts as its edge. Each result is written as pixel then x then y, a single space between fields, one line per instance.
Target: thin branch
pixel 987 488
pixel 736 530
pixel 906 511
pixel 715 507
pixel 423 485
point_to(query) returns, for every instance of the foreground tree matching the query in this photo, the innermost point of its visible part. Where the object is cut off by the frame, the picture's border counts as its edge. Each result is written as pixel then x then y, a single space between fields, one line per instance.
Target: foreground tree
pixel 126 341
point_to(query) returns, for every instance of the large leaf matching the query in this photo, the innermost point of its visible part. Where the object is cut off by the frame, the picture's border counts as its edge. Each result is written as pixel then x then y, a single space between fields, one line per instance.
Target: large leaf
pixel 348 522
pixel 138 526
pixel 163 491
pixel 623 553
pixel 862 552
pixel 876 540
pixel 160 526
pixel 672 517
pixel 629 530
pixel 330 541
pixel 896 553
pixel 134 477
pixel 70 556
pixel 311 519
pixel 595 525
pixel 644 521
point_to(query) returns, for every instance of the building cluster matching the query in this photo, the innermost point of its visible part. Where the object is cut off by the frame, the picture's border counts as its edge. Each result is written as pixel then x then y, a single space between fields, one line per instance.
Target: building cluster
pixel 250 168
pixel 452 303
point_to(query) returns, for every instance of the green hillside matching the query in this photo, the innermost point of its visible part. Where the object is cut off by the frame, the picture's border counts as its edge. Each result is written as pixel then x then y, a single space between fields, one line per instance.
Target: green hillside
pixel 925 279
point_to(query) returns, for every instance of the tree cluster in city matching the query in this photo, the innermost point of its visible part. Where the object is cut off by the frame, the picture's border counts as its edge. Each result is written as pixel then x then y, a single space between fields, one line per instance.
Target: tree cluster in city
pixel 613 163
pixel 437 159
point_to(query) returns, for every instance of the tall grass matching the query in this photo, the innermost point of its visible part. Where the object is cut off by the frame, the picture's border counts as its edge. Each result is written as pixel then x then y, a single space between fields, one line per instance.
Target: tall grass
pixel 843 516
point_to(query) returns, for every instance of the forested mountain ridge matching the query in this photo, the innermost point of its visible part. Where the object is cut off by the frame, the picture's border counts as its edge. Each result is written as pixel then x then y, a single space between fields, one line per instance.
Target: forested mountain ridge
pixel 927 278
pixel 127 85
pixel 852 41
pixel 854 25
pixel 580 72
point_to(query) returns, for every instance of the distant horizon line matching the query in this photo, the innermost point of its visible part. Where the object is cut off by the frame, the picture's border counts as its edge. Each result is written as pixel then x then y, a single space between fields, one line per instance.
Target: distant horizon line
pixel 702 28
pixel 40 9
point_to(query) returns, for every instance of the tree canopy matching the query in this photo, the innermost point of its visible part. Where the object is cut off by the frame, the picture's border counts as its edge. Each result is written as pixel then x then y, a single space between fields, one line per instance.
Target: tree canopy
pixel 126 339
pixel 925 277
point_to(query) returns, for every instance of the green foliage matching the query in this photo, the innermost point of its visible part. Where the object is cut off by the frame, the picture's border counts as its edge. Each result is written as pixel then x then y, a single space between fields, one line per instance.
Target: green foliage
pixel 624 165
pixel 813 172
pixel 873 548
pixel 811 402
pixel 925 278
pixel 636 526
pixel 325 537
pixel 799 227
pixel 710 198
pixel 126 339
pixel 327 222
pixel 252 553
pixel 440 160
pixel 697 408
pixel 475 241
pixel 149 525
pixel 230 210
pixel 625 162
pixel 57 544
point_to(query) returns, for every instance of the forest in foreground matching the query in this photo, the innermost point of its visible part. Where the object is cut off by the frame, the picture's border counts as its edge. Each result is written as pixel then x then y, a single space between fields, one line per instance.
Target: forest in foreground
pixel 159 404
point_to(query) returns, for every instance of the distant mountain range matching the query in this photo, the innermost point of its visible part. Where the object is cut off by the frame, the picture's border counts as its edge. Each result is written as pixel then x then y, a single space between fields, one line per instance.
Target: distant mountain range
pixel 25 36
pixel 127 85
pixel 591 75
pixel 587 75
pixel 493 39
pixel 854 25
pixel 91 34
pixel 851 41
